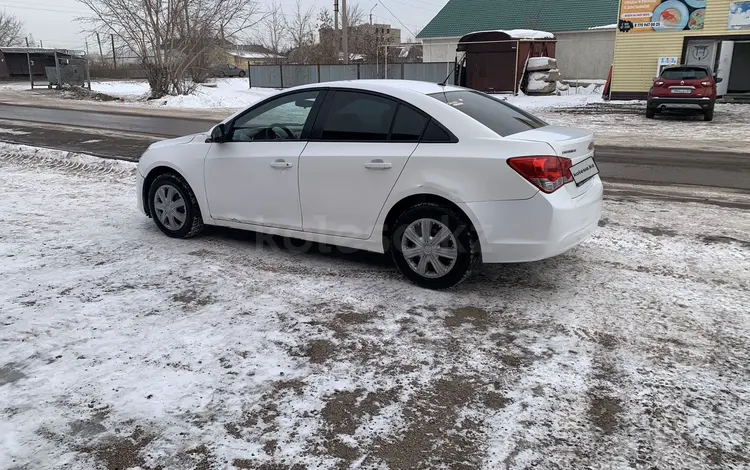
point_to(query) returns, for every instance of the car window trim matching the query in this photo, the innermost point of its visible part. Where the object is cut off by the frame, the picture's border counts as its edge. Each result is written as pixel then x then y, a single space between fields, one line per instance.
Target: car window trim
pixel 317 128
pixel 311 117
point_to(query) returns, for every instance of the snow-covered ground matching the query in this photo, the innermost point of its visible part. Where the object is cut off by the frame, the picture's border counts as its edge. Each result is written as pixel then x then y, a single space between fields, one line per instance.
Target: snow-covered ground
pixel 122 348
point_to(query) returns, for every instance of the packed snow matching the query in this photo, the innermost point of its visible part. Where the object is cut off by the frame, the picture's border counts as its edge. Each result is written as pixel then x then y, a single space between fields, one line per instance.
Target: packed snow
pixel 606 26
pixel 122 348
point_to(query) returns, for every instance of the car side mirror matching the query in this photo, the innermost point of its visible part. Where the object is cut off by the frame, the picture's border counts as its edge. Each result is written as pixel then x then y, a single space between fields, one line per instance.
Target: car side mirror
pixel 719 79
pixel 218 133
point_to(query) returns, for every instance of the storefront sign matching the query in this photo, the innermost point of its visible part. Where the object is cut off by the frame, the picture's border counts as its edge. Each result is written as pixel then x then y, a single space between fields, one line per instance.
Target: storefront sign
pixel 666 62
pixel 642 16
pixel 739 15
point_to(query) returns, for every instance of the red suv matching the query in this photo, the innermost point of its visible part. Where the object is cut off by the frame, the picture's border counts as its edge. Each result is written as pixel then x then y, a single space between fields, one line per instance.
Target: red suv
pixel 684 87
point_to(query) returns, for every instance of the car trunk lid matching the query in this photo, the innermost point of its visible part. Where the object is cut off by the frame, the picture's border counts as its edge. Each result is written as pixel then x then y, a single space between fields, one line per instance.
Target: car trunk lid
pixel 577 145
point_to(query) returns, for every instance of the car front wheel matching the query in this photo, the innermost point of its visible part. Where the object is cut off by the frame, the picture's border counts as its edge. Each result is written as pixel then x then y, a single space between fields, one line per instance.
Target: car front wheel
pixel 433 246
pixel 708 115
pixel 650 113
pixel 242 73
pixel 173 207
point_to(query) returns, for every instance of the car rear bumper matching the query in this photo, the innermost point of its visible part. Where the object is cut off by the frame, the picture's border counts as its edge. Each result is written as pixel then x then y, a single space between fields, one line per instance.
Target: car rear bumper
pixel 533 229
pixel 681 103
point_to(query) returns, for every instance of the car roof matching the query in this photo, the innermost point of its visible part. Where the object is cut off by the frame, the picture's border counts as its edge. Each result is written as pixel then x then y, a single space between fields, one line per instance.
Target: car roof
pixel 387 86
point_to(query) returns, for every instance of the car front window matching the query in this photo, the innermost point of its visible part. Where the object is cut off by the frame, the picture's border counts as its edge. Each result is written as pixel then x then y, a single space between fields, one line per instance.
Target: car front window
pixel 281 119
pixel 503 118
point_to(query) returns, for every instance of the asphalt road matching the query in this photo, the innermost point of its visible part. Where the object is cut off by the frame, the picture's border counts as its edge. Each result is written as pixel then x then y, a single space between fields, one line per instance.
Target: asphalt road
pixel 126 136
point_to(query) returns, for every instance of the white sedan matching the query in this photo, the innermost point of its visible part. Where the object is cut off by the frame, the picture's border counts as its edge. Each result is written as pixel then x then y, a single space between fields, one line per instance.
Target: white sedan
pixel 438 176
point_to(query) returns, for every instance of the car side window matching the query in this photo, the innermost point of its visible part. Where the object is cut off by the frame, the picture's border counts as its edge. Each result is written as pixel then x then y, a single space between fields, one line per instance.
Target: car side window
pixel 435 134
pixel 408 124
pixel 281 119
pixel 357 116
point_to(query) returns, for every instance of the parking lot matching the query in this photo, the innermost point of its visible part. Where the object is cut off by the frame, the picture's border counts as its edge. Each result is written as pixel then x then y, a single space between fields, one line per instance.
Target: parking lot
pixel 122 348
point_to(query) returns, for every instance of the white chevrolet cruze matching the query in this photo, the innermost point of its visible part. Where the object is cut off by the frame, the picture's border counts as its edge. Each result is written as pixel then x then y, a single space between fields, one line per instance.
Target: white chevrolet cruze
pixel 438 176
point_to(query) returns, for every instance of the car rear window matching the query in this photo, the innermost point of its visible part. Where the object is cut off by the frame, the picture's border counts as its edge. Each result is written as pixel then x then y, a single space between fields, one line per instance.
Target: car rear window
pixel 501 117
pixel 684 74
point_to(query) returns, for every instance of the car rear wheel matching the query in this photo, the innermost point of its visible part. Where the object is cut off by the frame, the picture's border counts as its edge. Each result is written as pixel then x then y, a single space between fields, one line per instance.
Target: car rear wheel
pixel 708 115
pixel 650 113
pixel 173 207
pixel 433 246
pixel 242 73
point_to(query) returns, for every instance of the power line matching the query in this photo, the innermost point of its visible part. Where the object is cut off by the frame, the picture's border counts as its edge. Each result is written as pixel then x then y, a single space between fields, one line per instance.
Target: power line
pixel 78 12
pixel 414 6
pixel 396 18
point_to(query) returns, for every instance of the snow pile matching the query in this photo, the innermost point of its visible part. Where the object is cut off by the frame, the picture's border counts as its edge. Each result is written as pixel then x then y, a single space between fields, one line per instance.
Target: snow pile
pixel 229 93
pixel 606 26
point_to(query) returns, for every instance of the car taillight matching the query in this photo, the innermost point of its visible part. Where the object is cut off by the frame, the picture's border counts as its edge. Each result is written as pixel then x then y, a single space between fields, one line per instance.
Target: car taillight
pixel 659 83
pixel 546 173
pixel 706 83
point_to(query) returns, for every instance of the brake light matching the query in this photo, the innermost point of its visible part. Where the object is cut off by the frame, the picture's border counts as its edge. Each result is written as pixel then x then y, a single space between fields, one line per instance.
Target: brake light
pixel 659 83
pixel 546 173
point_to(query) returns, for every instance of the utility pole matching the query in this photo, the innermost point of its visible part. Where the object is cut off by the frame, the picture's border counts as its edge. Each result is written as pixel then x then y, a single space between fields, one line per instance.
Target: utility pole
pixel 114 59
pixel 87 48
pixel 373 7
pixel 336 36
pixel 344 32
pixel 28 60
pixel 101 53
pixel 57 71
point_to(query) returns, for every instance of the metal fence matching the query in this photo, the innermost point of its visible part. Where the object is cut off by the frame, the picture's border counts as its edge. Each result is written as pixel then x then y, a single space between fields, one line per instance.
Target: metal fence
pixel 285 76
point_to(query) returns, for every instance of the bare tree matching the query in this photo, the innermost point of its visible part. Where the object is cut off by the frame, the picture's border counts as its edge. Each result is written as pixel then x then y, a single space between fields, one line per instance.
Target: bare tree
pixel 273 33
pixel 10 29
pixel 173 38
pixel 301 32
pixel 326 50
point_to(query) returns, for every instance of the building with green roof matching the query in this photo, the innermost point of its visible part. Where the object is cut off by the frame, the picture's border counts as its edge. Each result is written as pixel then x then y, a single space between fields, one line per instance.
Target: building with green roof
pixel 585 29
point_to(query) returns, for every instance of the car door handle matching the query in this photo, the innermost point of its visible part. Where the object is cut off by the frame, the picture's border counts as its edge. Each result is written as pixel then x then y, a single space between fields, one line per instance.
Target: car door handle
pixel 378 165
pixel 281 164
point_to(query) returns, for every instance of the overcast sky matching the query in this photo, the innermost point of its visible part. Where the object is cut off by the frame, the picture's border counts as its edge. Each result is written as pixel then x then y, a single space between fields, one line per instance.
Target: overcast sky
pixel 54 21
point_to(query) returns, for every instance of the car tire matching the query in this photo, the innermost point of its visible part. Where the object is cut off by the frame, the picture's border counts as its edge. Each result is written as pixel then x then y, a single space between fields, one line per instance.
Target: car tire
pixel 708 115
pixel 460 246
pixel 171 199
pixel 242 73
pixel 650 113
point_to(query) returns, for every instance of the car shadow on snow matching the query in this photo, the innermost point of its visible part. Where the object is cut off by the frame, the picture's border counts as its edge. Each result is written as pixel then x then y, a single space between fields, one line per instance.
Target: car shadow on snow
pixel 545 275
pixel 297 246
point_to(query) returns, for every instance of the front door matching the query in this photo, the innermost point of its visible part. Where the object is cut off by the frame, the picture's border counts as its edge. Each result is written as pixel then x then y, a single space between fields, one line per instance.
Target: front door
pixel 362 144
pixel 252 177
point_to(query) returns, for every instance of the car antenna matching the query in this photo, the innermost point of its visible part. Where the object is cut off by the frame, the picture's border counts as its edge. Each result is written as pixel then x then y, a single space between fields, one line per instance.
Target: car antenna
pixel 455 65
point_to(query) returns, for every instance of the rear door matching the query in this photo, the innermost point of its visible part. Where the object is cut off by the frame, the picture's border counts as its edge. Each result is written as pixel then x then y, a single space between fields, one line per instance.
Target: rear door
pixel 360 144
